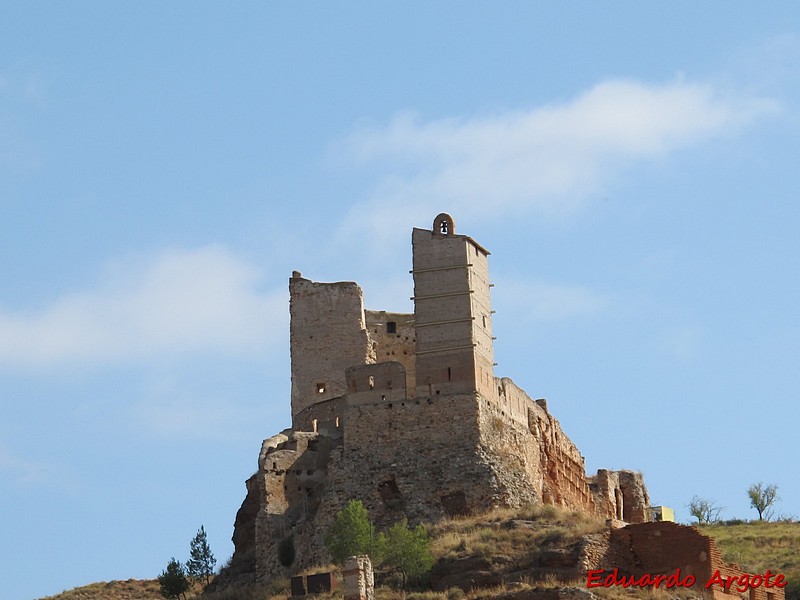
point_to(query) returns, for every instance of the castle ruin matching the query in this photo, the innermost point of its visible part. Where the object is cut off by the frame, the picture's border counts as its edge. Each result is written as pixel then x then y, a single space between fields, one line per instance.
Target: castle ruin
pixel 404 412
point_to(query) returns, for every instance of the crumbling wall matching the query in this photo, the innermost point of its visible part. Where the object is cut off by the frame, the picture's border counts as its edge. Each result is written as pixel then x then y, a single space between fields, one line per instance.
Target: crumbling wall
pixel 533 457
pixel 291 483
pixel 621 495
pixel 663 547
pixel 323 417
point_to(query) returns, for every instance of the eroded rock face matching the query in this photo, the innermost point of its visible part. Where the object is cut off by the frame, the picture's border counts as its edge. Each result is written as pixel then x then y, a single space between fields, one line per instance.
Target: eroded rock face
pixel 404 413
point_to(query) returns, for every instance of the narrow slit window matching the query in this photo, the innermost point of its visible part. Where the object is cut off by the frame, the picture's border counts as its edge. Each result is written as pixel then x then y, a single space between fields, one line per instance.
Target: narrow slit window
pixel 320 388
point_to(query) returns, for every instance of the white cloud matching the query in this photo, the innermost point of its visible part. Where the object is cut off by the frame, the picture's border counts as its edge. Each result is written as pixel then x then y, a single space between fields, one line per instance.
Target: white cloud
pixel 24 472
pixel 183 301
pixel 545 301
pixel 681 342
pixel 548 158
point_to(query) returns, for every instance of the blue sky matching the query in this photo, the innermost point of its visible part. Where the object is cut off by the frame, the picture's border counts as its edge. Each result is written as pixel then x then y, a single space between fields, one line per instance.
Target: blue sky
pixel 164 167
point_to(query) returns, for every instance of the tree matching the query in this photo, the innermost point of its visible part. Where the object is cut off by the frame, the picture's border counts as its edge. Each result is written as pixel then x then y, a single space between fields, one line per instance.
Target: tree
pixel 352 533
pixel 407 550
pixel 173 581
pixel 705 511
pixel 762 498
pixel 201 560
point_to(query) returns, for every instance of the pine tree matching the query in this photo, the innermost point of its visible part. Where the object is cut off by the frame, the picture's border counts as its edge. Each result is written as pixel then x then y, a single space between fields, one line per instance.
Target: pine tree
pixel 352 533
pixel 201 561
pixel 173 581
pixel 407 550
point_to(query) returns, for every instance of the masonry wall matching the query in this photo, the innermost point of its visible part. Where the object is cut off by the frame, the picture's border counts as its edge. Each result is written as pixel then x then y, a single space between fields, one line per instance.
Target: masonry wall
pixel 533 458
pixel 661 548
pixel 418 457
pixel 379 382
pixel 452 313
pixel 324 417
pixel 327 335
pixel 394 338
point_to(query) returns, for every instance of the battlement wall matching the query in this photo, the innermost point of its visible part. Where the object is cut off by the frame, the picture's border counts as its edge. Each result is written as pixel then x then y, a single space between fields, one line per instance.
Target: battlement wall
pixel 513 400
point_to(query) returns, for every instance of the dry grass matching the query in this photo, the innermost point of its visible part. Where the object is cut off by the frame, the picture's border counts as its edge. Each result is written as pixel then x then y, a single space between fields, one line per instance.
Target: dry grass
pixel 512 538
pixel 758 545
pixel 501 532
pixel 131 589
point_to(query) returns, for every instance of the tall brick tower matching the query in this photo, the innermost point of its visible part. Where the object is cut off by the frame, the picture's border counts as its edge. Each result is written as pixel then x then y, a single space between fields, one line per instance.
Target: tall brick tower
pixel 452 312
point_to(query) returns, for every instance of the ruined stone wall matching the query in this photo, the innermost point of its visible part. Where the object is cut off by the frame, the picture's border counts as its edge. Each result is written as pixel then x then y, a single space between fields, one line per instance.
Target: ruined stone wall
pixel 661 548
pixel 292 483
pixel 394 338
pixel 327 335
pixel 516 458
pixel 534 458
pixel 563 468
pixel 294 471
pixel 323 417
pixel 621 495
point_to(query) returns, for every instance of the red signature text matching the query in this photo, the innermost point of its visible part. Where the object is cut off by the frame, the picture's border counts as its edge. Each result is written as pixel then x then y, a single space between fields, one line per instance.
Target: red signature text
pixel 741 583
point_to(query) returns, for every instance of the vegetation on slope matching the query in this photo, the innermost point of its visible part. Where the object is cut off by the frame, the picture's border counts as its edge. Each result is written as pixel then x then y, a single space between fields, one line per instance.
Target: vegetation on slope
pixel 759 545
pixel 507 545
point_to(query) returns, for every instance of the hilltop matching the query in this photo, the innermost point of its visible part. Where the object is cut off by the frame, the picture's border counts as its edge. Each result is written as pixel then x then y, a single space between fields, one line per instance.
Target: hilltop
pixel 506 553
pixel 758 545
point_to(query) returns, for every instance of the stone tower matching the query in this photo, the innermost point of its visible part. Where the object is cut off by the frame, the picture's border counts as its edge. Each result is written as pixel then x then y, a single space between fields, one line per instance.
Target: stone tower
pixel 327 335
pixel 452 313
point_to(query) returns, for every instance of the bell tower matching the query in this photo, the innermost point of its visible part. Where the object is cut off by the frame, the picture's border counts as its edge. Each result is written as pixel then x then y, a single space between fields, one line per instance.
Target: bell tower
pixel 452 312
